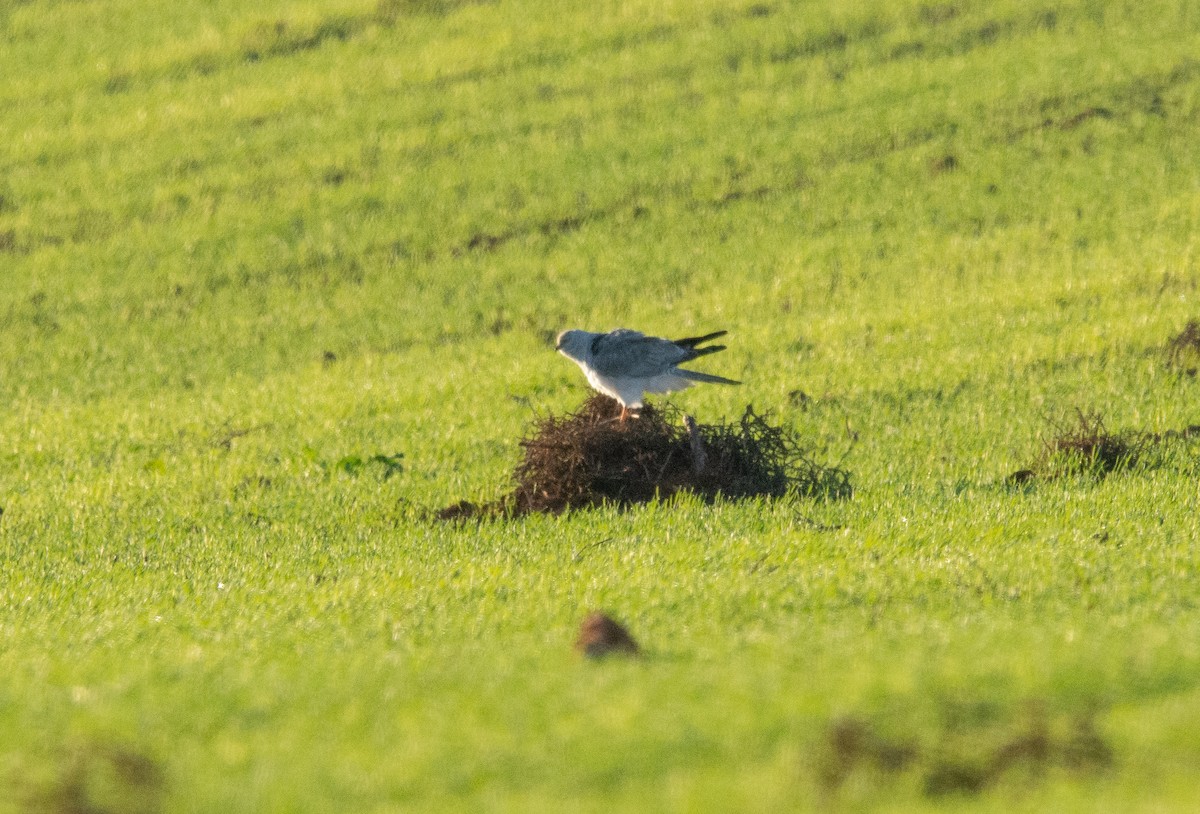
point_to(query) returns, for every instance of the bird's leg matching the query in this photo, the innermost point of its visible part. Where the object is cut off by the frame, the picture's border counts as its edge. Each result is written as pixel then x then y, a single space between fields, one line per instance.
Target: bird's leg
pixel 624 413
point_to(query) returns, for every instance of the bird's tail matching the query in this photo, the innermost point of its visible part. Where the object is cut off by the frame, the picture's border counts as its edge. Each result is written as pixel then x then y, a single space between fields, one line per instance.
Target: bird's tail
pixel 693 341
pixel 697 376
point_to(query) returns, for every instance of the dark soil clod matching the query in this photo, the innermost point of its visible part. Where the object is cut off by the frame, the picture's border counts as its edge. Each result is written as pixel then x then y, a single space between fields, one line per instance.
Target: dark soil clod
pixel 601 635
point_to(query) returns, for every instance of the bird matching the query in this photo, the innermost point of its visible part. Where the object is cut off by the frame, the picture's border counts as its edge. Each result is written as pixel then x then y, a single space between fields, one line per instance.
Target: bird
pixel 626 364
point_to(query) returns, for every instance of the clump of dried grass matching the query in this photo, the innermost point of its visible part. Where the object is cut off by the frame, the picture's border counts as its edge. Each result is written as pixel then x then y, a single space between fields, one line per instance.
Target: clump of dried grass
pixel 591 458
pixel 1083 445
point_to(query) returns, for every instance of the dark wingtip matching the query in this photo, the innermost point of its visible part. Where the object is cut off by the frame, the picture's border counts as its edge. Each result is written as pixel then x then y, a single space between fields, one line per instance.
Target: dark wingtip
pixel 693 341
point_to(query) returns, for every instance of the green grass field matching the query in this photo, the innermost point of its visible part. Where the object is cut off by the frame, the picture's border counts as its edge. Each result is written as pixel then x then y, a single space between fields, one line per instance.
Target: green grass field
pixel 253 253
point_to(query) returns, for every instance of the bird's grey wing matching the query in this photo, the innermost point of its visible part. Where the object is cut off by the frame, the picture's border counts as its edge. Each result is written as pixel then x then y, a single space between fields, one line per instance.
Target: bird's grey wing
pixel 635 355
pixel 614 339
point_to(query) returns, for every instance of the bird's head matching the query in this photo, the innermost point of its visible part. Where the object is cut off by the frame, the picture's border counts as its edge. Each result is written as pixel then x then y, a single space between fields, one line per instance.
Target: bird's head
pixel 574 344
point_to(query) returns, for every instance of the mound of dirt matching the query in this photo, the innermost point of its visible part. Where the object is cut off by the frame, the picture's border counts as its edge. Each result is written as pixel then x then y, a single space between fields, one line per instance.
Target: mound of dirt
pixel 600 635
pixel 591 457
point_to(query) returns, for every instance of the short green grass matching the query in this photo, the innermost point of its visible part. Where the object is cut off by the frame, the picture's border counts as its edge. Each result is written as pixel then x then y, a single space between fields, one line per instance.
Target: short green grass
pixel 246 248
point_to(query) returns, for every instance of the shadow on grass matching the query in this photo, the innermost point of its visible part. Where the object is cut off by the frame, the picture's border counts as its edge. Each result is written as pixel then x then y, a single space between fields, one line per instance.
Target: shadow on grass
pixel 1183 351
pixel 99 778
pixel 963 760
